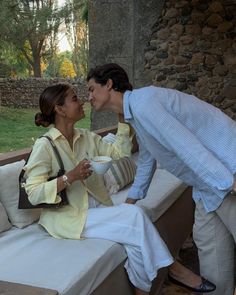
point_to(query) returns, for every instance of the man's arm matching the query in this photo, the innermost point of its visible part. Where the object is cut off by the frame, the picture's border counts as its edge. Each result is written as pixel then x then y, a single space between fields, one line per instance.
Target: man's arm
pixel 146 167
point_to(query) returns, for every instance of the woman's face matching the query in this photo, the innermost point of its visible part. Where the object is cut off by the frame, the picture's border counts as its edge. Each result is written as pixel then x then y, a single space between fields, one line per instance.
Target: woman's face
pixel 73 107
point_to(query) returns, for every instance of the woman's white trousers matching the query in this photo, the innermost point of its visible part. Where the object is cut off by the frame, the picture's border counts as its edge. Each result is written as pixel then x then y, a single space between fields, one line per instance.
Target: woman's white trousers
pixel 130 226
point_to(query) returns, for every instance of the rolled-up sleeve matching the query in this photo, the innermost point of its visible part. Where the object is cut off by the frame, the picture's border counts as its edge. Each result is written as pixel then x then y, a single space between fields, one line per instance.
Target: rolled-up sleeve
pixel 38 170
pixel 121 147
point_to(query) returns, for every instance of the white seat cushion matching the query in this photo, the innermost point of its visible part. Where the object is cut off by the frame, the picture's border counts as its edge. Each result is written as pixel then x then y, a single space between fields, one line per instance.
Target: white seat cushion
pixel 72 267
pixel 75 267
pixel 163 191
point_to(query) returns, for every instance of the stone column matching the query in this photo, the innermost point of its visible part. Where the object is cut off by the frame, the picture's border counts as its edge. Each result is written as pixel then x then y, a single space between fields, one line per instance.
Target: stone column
pixel 119 32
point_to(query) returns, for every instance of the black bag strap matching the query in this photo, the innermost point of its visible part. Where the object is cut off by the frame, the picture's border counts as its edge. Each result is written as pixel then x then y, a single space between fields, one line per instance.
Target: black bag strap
pixel 56 152
pixel 63 195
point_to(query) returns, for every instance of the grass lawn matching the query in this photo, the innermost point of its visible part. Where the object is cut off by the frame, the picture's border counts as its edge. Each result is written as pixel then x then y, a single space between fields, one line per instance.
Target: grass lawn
pixel 18 131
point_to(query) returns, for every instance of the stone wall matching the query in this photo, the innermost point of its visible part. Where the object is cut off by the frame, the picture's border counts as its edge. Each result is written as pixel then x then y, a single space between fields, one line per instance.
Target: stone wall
pixel 192 48
pixel 119 32
pixel 24 93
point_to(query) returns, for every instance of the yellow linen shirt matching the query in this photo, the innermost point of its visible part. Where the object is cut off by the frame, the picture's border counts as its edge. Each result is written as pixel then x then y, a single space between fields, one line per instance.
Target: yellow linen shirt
pixel 68 221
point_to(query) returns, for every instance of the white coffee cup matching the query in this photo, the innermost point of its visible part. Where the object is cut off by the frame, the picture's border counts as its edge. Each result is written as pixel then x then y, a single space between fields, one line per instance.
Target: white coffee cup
pixel 100 164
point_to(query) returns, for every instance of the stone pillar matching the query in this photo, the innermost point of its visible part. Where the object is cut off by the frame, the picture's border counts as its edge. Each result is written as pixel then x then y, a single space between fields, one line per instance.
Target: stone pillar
pixel 119 32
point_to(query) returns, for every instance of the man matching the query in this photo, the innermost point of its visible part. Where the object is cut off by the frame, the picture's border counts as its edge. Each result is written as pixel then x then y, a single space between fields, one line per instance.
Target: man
pixel 193 140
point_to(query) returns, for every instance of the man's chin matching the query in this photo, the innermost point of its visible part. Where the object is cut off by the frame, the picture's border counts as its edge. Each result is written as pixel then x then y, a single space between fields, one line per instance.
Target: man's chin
pixel 98 109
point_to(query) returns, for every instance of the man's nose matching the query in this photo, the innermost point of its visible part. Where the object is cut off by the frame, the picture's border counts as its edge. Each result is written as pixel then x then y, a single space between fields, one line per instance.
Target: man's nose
pixel 89 96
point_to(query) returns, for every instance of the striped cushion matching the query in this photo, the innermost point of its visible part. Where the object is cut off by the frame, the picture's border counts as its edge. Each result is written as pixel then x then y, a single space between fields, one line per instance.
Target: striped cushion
pixel 120 174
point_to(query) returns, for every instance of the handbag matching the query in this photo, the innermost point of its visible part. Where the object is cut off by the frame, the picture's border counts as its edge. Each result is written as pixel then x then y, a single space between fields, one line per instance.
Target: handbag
pixel 24 202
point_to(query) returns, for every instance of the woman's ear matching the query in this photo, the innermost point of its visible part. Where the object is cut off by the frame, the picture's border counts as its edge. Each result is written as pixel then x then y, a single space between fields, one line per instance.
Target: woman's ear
pixel 59 110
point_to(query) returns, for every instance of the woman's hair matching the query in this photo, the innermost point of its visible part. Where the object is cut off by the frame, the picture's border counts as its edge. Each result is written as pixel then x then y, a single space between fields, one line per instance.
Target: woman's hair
pixel 101 74
pixel 49 98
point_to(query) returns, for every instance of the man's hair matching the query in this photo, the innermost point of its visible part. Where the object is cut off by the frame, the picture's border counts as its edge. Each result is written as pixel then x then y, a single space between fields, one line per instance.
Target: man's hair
pixel 119 77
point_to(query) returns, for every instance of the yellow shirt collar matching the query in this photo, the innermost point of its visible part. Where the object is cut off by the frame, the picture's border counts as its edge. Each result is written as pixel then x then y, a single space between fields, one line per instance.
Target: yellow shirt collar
pixel 54 133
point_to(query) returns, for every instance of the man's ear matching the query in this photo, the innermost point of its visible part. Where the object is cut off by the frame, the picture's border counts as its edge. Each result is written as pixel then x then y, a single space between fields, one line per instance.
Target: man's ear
pixel 109 84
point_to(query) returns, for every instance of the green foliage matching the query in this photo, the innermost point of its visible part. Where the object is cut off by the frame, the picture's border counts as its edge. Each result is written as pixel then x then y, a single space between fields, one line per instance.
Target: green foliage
pixel 29 36
pixel 77 34
pixel 12 60
pixel 27 24
pixel 54 64
pixel 66 69
pixel 18 130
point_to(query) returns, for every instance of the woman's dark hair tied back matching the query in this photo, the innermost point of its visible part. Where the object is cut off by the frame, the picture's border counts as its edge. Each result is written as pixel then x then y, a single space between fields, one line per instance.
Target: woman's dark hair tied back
pixel 101 74
pixel 40 120
pixel 49 98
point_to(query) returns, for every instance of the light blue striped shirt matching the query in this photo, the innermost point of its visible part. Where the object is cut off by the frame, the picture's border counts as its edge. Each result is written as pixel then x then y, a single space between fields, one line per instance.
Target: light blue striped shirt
pixel 190 138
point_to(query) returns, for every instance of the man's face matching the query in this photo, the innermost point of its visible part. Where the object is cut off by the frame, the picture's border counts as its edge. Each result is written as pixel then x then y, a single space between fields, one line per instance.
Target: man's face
pixel 99 95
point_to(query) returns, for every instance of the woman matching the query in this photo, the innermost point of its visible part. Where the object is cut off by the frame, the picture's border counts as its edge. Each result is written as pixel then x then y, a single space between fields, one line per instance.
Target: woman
pixel 89 213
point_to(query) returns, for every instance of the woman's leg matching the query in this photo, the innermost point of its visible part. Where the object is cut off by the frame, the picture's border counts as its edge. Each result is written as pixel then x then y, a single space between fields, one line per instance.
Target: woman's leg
pixel 184 275
pixel 130 226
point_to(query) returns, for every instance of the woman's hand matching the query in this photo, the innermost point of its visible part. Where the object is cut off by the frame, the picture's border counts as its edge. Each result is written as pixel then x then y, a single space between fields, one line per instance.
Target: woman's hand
pixel 81 172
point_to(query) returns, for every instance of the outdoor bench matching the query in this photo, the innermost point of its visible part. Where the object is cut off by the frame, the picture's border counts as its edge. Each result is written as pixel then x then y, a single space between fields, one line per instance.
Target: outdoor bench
pixel 34 263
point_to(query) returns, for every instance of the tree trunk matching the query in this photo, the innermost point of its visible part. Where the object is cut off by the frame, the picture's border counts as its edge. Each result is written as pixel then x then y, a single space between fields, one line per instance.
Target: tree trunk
pixel 37 66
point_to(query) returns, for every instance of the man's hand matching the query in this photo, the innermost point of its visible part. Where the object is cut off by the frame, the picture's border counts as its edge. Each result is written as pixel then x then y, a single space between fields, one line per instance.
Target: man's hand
pixel 233 190
pixel 234 185
pixel 130 201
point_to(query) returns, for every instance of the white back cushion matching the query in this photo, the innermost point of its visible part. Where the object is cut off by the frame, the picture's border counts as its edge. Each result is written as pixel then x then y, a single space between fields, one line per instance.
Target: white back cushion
pixel 4 223
pixel 9 195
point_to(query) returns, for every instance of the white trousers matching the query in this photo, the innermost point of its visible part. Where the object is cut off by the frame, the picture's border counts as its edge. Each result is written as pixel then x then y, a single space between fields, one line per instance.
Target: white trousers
pixel 215 235
pixel 130 226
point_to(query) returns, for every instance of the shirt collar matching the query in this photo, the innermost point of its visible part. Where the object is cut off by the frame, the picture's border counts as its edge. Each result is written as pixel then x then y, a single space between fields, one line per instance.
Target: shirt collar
pixel 126 105
pixel 54 133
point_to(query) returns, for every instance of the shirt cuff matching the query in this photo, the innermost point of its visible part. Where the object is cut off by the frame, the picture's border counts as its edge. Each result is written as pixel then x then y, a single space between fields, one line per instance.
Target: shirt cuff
pixel 123 129
pixel 135 194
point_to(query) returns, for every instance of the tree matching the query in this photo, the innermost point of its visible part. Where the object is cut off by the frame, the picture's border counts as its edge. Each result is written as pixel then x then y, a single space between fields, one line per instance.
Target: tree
pixel 12 61
pixel 54 64
pixel 27 24
pixel 77 34
pixel 66 69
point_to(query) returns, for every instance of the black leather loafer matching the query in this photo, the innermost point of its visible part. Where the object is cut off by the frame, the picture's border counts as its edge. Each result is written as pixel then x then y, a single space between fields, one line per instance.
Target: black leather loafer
pixel 205 286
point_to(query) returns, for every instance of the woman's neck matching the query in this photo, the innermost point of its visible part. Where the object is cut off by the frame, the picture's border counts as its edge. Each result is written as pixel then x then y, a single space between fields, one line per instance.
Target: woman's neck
pixel 68 131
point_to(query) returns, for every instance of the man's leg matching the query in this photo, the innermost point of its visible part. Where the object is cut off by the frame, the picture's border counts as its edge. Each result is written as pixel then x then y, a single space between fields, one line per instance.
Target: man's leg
pixel 226 212
pixel 215 249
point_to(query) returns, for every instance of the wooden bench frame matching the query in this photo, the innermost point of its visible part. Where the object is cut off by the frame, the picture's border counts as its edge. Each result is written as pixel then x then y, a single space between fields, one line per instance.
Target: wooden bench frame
pixel 174 226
